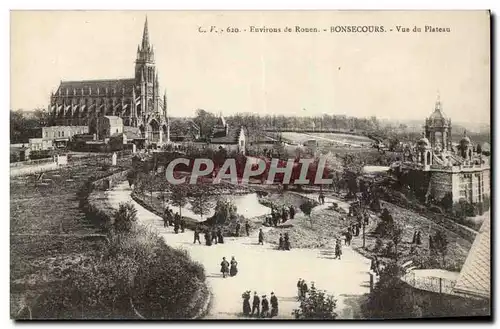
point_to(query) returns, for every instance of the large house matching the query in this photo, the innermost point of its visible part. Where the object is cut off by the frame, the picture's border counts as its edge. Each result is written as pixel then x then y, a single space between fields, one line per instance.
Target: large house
pixel 136 101
pixel 459 174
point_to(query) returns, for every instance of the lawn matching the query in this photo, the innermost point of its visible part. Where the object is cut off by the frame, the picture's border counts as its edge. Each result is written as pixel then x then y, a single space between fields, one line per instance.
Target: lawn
pixel 326 226
pixel 457 251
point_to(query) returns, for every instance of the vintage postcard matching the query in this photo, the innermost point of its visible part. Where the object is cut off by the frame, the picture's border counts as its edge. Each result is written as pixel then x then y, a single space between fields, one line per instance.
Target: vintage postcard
pixel 277 165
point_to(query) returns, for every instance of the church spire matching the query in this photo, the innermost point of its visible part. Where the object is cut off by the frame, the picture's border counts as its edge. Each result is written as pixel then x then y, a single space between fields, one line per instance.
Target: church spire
pixel 145 36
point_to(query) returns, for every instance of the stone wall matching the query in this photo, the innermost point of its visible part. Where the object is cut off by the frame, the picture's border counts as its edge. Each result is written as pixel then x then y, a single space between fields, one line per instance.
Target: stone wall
pixel 441 184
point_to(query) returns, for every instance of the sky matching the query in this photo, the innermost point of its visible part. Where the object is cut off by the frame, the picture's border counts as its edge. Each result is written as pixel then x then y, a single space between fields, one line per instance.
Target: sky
pixel 391 75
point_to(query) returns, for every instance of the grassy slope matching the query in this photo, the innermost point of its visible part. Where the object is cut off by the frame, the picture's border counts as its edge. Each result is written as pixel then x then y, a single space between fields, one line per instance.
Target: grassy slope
pixel 47 231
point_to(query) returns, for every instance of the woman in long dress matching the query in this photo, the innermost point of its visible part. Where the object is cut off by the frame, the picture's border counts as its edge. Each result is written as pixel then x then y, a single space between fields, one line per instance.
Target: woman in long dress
pixel 234 270
pixel 224 267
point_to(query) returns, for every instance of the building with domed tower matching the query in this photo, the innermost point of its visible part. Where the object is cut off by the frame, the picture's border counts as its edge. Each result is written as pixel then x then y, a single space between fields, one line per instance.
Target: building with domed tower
pixel 136 101
pixel 447 171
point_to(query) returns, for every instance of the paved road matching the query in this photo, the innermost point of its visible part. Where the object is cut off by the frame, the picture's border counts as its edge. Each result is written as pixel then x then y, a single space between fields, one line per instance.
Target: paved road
pixel 261 268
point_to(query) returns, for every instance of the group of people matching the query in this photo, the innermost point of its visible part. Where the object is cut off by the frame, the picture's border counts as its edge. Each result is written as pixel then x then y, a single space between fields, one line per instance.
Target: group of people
pixel 227 268
pixel 260 308
pixel 213 235
pixel 238 228
pixel 169 219
pixel 280 215
pixel 302 289
pixel 284 242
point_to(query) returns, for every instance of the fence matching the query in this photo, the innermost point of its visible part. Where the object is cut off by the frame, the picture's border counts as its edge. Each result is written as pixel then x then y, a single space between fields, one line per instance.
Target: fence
pixel 430 283
pixel 43 165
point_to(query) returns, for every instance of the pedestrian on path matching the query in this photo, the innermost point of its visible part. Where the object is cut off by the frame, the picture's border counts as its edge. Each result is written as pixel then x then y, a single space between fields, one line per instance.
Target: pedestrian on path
pixel 299 289
pixel 286 242
pixel 338 249
pixel 214 236
pixel 281 243
pixel 246 303
pixel 208 238
pixel 256 304
pixel 292 212
pixel 274 305
pixel 238 226
pixel 182 224
pixel 197 235
pixel 304 289
pixel 234 267
pixel 261 237
pixel 220 237
pixel 247 228
pixel 265 307
pixel 224 267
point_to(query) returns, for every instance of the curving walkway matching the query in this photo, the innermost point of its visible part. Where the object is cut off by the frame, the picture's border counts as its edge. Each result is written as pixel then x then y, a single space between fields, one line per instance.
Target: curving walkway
pixel 261 268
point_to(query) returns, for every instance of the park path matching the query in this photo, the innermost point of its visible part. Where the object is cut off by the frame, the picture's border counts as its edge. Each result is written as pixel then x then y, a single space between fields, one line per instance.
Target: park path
pixel 262 268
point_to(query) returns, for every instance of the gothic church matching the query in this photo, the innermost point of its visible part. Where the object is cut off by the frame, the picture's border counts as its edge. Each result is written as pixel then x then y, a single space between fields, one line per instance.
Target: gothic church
pixel 137 100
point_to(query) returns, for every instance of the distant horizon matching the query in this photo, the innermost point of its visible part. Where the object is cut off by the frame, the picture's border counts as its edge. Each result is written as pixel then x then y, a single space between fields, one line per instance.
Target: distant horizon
pixel 393 76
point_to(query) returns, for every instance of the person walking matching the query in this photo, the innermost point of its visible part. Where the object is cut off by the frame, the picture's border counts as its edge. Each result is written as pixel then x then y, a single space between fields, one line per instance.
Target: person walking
pixel 220 237
pixel 265 307
pixel 286 242
pixel 182 224
pixel 208 238
pixel 304 289
pixel 224 267
pixel 338 249
pixel 256 304
pixel 292 212
pixel 234 267
pixel 274 305
pixel 247 228
pixel 197 235
pixel 238 226
pixel 281 243
pixel 299 289
pixel 246 303
pixel 176 223
pixel 214 236
pixel 165 217
pixel 261 237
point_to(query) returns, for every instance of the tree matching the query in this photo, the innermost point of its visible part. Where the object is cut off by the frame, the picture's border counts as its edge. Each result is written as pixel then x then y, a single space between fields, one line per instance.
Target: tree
pixel 224 209
pixel 307 208
pixel 178 196
pixel 162 187
pixel 206 121
pixel 316 305
pixel 202 202
pixel 440 243
pixel 125 217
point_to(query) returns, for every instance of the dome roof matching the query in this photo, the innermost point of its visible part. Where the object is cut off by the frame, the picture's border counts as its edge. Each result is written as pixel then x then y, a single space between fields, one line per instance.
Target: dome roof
pixel 437 115
pixel 465 139
pixel 423 142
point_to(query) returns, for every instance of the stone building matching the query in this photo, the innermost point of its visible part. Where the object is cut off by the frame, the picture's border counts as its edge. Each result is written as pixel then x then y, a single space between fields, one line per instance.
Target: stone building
pixel 233 139
pixel 137 101
pixel 457 174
